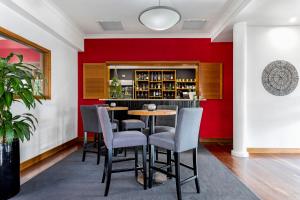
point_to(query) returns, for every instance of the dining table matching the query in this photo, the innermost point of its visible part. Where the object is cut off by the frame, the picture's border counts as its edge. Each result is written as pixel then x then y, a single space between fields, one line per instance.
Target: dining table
pixel 159 177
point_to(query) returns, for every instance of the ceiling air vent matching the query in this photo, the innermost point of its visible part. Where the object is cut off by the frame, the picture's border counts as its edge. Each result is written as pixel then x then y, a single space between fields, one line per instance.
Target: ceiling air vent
pixel 111 25
pixel 193 24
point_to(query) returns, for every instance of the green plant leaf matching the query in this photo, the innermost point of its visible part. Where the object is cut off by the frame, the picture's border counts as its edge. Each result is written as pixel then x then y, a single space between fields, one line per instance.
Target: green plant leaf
pixel 31 115
pixel 29 120
pixel 8 98
pixel 24 128
pixel 9 133
pixel 20 57
pixel 9 57
pixel 1 88
pixel 18 133
pixel 2 131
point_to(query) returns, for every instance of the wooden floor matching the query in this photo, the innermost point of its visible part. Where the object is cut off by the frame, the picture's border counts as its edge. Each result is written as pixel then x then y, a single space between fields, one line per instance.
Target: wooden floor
pixel 270 176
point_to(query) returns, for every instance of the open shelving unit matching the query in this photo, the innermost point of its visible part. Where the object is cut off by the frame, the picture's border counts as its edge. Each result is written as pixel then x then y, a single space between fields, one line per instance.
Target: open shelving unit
pixel 161 84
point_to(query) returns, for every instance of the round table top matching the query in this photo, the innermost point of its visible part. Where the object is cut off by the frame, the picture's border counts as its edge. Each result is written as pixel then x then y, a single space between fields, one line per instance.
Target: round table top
pixel 152 113
pixel 117 108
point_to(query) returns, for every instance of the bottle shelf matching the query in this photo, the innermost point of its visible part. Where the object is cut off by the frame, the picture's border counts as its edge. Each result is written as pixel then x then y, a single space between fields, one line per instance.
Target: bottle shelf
pixel 163 83
pixel 185 81
pixel 168 80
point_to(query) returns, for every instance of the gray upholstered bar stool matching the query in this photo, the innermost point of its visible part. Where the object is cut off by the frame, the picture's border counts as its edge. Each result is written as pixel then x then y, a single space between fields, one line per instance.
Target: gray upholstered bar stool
pixel 136 124
pixel 121 139
pixel 114 120
pixel 185 138
pixel 91 124
pixel 166 123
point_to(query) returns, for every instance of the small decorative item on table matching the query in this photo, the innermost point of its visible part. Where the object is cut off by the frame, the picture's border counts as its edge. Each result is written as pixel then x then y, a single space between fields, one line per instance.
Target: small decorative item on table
pixel 151 107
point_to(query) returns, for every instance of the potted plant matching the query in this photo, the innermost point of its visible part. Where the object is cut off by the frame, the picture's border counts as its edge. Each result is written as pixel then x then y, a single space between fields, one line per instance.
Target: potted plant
pixel 116 88
pixel 16 85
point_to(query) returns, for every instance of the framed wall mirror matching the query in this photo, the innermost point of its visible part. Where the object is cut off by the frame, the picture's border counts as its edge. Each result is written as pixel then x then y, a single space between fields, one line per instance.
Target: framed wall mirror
pixel 33 54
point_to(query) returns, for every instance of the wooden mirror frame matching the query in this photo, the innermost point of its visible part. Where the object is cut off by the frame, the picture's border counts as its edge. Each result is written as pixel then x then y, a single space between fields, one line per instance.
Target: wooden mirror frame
pixel 46 58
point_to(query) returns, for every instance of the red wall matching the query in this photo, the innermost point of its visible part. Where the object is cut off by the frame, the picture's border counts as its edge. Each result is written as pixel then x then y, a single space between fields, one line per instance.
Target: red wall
pixel 217 121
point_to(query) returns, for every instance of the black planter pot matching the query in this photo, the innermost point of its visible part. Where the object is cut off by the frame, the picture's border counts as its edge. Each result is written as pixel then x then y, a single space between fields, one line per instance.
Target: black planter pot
pixel 9 169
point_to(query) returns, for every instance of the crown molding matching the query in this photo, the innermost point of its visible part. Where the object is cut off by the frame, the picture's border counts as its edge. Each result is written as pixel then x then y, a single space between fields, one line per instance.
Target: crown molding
pixel 230 12
pixel 160 35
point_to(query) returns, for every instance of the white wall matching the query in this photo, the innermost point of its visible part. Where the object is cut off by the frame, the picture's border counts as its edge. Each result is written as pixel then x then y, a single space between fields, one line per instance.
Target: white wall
pixel 58 116
pixel 272 121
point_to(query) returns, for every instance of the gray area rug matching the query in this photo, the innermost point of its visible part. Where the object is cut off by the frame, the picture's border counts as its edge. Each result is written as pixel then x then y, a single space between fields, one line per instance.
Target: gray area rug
pixel 73 179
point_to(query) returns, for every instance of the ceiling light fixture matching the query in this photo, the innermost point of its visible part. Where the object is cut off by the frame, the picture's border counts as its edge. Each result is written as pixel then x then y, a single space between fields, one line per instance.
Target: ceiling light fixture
pixel 159 17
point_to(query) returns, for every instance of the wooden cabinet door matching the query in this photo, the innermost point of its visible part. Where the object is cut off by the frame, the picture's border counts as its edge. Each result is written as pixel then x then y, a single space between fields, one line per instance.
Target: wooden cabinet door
pixel 95 81
pixel 211 80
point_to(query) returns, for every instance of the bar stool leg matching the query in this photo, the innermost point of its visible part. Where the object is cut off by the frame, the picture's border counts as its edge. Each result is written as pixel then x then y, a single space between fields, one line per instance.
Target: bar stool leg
pixel 151 163
pixel 177 174
pixel 84 146
pixel 95 140
pixel 196 169
pixel 99 148
pixel 145 166
pixel 105 169
pixel 169 170
pixel 136 160
pixel 109 169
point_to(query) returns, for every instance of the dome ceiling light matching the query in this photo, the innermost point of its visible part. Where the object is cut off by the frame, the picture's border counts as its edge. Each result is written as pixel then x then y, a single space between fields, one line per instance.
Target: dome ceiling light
pixel 159 18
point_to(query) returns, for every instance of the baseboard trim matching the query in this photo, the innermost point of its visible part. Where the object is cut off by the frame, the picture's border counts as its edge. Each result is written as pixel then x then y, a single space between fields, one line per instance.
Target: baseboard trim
pixel 28 163
pixel 202 140
pixel 216 140
pixel 274 150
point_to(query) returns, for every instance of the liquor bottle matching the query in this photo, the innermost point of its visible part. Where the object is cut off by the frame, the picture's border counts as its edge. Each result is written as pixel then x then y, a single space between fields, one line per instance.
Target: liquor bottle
pixel 171 76
pixel 159 77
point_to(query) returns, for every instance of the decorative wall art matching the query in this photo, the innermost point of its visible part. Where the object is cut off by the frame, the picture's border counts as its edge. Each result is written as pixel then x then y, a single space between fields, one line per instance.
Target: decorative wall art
pixel 280 78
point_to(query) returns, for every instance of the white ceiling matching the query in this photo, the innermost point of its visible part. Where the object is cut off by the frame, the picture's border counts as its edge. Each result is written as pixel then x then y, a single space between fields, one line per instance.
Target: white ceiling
pixel 221 15
pixel 86 14
pixel 265 13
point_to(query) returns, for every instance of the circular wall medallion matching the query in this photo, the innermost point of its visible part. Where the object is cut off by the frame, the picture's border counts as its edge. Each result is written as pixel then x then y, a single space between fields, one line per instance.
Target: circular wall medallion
pixel 280 78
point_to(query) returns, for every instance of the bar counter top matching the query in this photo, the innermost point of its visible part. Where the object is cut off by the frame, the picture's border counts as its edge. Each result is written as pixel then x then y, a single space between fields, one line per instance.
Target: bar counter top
pixel 151 100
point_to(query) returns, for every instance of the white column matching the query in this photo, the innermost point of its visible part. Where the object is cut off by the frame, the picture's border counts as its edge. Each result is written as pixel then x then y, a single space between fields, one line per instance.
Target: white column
pixel 240 90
